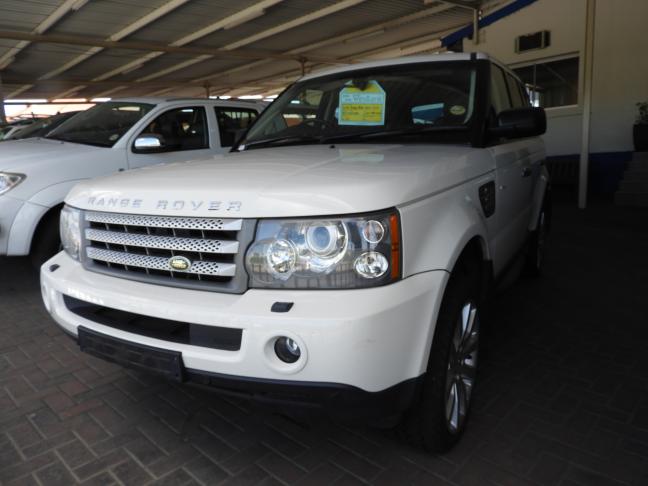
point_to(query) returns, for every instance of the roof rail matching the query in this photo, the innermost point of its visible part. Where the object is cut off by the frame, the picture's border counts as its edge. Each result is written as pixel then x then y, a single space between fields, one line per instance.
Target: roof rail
pixel 187 98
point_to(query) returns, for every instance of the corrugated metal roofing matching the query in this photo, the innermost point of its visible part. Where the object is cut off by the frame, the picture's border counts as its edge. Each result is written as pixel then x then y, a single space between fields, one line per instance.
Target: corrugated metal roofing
pixel 37 67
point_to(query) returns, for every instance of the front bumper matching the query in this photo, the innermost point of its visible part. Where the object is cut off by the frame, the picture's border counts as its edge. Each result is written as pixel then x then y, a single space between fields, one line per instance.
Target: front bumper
pixel 370 340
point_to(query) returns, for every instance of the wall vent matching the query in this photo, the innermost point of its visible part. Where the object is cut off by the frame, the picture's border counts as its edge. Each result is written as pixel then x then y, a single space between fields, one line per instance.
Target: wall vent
pixel 530 42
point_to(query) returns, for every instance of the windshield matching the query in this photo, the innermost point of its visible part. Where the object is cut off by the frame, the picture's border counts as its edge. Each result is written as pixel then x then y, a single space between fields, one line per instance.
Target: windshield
pixel 42 127
pixel 102 125
pixel 407 102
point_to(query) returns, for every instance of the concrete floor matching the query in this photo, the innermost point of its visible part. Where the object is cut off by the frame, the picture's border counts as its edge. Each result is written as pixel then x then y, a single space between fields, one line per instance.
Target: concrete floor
pixel 563 396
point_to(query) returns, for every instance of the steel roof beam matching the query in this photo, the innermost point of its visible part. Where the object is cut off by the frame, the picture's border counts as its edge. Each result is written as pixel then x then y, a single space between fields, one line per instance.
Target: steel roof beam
pixel 458 3
pixel 61 11
pixel 331 9
pixel 11 81
pixel 126 31
pixel 338 39
pixel 230 21
pixel 318 14
pixel 437 9
pixel 142 46
pixel 66 7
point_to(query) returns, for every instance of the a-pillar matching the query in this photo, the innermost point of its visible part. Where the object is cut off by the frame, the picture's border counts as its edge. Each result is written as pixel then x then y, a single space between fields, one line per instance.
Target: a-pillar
pixel 3 117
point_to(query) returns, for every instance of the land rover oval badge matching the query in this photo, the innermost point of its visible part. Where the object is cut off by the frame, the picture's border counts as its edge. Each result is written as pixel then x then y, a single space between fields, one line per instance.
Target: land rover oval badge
pixel 180 263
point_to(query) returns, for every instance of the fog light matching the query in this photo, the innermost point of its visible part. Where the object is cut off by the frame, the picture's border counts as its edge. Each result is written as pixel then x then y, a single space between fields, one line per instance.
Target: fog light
pixel 287 349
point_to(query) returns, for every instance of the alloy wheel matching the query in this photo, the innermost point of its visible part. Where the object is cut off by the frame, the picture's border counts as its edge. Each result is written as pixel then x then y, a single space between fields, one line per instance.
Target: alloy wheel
pixel 542 235
pixel 462 367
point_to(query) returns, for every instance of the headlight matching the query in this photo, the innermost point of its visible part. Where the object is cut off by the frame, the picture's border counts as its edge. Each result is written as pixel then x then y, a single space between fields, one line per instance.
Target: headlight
pixel 71 231
pixel 326 253
pixel 9 181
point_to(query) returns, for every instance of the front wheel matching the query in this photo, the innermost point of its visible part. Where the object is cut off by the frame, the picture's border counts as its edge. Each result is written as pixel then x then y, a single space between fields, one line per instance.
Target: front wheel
pixel 438 419
pixel 537 244
pixel 46 242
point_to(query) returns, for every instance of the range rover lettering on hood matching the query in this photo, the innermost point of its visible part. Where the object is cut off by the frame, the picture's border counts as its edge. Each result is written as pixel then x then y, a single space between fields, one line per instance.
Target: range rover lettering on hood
pixel 283 182
pixel 164 204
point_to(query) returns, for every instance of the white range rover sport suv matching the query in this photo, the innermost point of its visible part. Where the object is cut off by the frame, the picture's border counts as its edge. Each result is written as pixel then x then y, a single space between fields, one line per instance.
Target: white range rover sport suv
pixel 340 256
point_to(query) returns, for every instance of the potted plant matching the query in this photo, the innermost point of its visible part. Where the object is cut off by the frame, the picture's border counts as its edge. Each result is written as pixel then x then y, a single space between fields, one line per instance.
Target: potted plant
pixel 640 130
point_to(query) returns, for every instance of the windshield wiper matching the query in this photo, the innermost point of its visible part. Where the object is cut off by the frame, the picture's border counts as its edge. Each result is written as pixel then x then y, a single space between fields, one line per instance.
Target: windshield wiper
pixel 287 140
pixel 297 139
pixel 58 139
pixel 394 133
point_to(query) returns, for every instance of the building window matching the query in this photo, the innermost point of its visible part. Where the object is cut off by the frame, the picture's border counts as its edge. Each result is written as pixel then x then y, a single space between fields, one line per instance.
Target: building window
pixel 551 84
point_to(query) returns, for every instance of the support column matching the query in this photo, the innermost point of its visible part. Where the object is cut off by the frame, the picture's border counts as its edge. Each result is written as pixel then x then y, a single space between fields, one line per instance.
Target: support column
pixel 3 117
pixel 588 61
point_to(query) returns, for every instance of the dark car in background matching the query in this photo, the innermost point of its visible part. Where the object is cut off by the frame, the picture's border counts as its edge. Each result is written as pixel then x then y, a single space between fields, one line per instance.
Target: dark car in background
pixel 41 127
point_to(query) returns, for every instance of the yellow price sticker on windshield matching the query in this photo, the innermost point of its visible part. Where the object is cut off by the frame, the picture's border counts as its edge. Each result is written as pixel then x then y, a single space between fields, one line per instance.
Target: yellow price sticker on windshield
pixel 362 107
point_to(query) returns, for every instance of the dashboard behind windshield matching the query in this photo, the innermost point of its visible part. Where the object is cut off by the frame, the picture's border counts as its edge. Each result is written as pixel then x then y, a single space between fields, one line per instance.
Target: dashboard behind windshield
pixel 102 125
pixel 397 100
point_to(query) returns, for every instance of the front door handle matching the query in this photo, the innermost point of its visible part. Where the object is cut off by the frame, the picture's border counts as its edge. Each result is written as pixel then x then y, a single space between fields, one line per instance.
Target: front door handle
pixel 526 172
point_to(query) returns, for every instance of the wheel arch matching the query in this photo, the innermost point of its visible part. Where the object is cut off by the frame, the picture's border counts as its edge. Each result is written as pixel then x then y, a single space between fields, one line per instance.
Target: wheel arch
pixel 541 197
pixel 31 214
pixel 42 222
pixel 437 230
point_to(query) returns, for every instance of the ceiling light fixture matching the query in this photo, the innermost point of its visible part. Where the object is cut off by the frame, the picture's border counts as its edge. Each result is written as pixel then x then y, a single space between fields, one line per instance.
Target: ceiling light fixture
pixel 70 100
pixel 26 101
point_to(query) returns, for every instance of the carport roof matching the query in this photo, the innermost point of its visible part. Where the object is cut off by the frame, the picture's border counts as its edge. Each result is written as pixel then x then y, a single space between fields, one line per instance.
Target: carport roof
pixel 52 49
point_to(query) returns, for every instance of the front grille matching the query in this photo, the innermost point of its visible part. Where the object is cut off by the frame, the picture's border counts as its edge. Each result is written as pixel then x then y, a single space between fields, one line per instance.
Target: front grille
pixel 140 247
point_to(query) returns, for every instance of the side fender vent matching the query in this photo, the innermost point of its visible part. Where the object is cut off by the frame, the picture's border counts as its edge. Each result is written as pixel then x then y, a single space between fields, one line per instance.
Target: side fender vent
pixel 487 198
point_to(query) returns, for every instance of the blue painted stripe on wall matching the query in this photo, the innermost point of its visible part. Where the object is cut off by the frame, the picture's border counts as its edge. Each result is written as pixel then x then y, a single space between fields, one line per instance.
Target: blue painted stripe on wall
pixel 467 31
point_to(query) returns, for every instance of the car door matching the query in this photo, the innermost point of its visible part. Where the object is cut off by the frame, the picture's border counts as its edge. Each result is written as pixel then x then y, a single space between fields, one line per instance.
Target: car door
pixel 530 152
pixel 183 133
pixel 512 176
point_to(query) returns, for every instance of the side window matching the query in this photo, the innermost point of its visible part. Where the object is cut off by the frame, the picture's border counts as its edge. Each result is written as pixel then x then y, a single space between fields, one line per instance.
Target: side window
pixel 516 94
pixel 500 100
pixel 181 129
pixel 231 121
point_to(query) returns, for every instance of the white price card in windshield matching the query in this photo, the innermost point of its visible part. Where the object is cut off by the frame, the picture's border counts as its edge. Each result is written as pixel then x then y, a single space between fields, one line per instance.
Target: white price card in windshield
pixel 362 107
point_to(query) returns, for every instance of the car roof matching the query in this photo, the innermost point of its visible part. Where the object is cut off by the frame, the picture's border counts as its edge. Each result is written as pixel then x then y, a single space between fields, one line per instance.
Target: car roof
pixel 440 57
pixel 211 101
pixel 397 61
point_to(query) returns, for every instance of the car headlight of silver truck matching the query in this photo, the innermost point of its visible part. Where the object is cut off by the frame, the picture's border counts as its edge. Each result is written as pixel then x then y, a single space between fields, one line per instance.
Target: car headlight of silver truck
pixel 70 226
pixel 8 181
pixel 326 253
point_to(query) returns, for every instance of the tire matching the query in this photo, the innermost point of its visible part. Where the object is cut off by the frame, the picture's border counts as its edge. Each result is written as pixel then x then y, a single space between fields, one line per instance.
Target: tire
pixel 46 242
pixel 436 422
pixel 537 245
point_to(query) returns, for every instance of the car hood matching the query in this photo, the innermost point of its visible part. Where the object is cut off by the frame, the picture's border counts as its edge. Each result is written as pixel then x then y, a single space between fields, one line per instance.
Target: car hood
pixel 36 154
pixel 288 181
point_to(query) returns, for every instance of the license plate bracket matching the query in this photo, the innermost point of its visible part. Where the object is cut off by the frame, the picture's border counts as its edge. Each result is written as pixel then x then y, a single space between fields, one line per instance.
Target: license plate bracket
pixel 132 355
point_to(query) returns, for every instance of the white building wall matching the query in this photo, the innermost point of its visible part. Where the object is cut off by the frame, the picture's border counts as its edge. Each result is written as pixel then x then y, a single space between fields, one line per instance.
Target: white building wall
pixel 620 72
pixel 620 65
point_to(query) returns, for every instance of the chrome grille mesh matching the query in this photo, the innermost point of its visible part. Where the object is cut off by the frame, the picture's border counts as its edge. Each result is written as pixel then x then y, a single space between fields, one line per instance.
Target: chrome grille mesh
pixel 159 263
pixel 141 247
pixel 210 224
pixel 162 242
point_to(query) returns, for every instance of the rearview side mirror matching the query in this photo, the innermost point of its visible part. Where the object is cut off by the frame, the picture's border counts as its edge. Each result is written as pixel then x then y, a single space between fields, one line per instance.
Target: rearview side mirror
pixel 520 123
pixel 148 142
